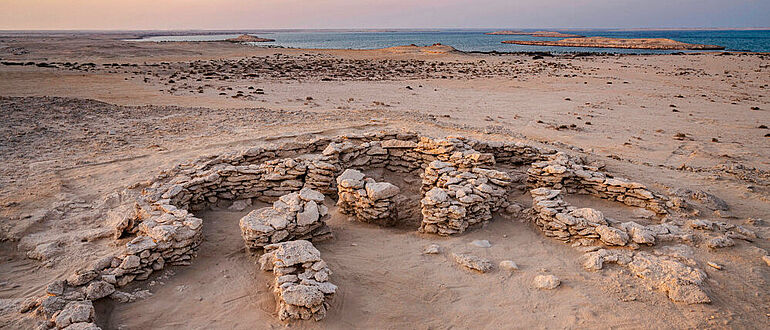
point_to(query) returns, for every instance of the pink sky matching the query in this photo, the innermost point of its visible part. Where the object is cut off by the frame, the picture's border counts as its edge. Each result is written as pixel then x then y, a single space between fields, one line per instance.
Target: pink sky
pixel 266 14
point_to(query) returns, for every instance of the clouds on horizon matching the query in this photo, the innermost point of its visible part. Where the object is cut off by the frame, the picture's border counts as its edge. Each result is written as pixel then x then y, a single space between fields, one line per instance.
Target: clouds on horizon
pixel 265 14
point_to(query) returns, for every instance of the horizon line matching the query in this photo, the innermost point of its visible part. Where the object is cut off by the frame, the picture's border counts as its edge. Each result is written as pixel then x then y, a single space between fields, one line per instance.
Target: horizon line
pixel 395 28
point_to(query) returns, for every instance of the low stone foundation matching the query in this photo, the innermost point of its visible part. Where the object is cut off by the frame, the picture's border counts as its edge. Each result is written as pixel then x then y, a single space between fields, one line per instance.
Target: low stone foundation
pixel 558 219
pixel 559 171
pixel 462 185
pixel 301 281
pixel 366 199
pixel 298 215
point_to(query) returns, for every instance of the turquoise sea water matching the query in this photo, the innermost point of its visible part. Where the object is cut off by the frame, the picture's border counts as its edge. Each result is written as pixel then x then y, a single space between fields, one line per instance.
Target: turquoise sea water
pixel 476 40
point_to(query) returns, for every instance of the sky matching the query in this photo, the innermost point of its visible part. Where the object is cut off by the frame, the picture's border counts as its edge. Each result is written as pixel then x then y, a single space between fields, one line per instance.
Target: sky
pixel 347 14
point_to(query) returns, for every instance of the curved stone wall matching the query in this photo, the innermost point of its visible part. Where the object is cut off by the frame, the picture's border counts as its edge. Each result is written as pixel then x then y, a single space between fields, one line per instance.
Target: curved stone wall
pixel 461 188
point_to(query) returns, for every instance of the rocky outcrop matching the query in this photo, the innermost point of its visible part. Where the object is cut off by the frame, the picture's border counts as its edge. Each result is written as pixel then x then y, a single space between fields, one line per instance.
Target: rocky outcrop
pixel 602 42
pixel 248 38
pixel 298 215
pixel 301 282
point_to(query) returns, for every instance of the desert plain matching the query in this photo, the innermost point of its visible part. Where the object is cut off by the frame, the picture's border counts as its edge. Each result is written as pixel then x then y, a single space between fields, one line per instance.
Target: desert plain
pixel 87 115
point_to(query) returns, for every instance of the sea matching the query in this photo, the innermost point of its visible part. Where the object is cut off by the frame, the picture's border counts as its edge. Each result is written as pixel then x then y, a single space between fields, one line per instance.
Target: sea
pixel 474 40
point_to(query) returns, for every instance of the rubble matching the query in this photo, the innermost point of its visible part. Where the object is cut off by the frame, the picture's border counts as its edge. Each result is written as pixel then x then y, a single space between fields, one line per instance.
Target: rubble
pixel 667 273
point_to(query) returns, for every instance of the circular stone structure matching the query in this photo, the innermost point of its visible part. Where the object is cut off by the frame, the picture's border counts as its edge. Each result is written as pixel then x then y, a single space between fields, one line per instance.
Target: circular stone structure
pixel 463 182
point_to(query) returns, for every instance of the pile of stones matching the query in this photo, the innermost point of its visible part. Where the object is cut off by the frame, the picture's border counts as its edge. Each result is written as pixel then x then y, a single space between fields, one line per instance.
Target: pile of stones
pixel 559 171
pixel 367 200
pixel 458 196
pixel 297 215
pixel 301 281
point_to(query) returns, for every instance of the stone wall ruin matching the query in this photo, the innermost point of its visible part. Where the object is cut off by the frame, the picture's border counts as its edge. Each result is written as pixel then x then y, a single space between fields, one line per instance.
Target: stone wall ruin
pixel 366 199
pixel 294 216
pixel 301 282
pixel 462 186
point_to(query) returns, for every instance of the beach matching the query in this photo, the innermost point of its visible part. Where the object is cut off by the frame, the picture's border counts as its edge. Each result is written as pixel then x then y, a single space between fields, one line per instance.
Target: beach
pixel 87 115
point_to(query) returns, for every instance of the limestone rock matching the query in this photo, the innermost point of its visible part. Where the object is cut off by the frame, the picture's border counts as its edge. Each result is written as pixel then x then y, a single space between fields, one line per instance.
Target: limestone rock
pixel 432 249
pixel 473 262
pixel 612 236
pixel 482 243
pixel 720 242
pixel 311 195
pixel 351 179
pixel 122 218
pixel 381 190
pixel 240 205
pixel 309 215
pixel 83 326
pixel 45 251
pixel 293 252
pixel 508 265
pixel 99 289
pixel 546 282
pixel 75 312
pixel 303 295
pixel 130 262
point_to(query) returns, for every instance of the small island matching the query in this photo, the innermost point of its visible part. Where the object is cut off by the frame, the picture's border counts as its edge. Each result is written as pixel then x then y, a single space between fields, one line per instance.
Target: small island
pixel 539 34
pixel 602 42
pixel 249 38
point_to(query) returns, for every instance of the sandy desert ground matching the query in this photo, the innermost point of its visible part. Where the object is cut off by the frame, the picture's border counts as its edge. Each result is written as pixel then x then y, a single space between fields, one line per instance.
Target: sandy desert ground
pixel 89 115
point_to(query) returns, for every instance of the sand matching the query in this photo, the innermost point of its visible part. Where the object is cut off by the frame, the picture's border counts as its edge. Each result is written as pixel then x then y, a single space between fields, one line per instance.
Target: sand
pixel 73 135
